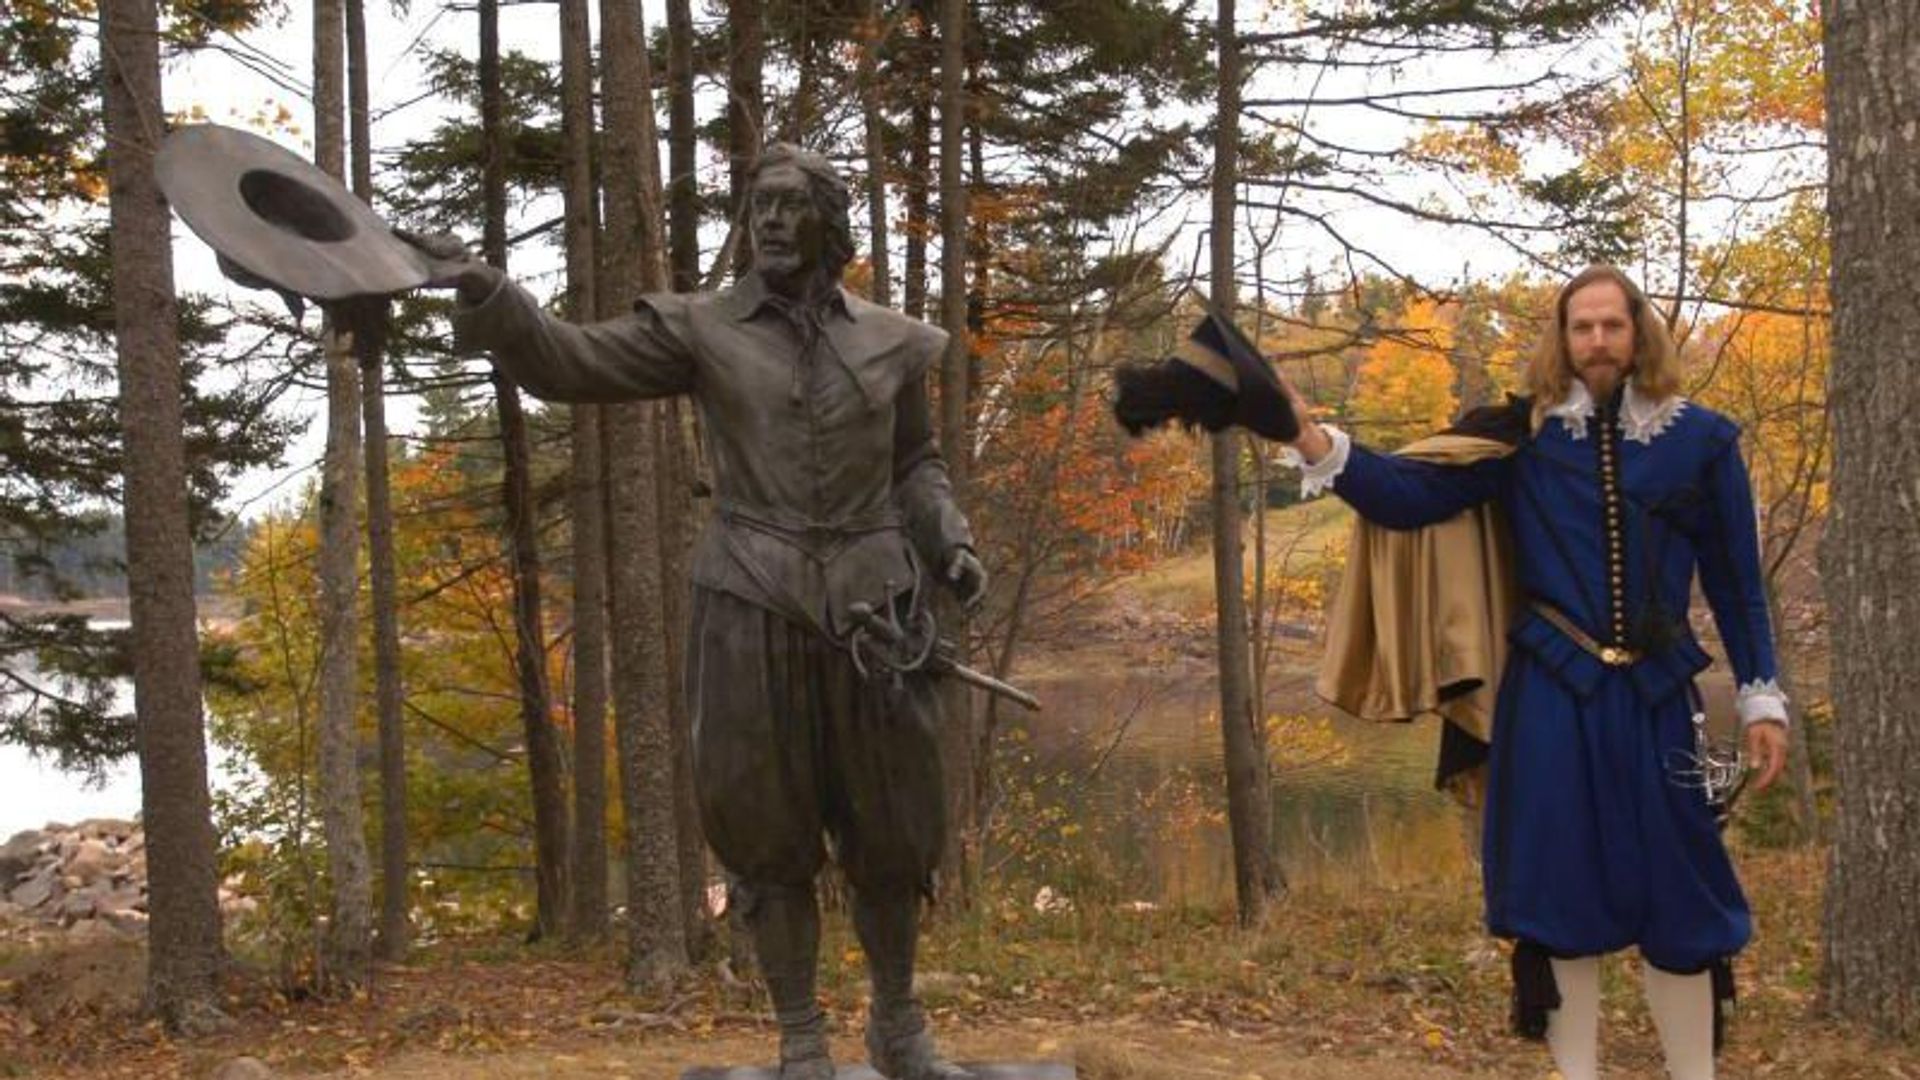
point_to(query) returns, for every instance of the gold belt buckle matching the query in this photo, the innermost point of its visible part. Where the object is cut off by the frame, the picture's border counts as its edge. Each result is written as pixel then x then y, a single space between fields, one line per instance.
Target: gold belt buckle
pixel 1615 657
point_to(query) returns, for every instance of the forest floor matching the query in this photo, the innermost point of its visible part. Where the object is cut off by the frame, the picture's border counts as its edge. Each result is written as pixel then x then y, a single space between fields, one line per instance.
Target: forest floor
pixel 1384 984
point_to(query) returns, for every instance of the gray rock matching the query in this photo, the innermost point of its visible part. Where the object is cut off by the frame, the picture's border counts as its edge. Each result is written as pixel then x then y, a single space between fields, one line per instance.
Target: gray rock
pixel 19 854
pixel 38 889
pixel 75 906
pixel 130 923
pixel 121 899
pixel 242 1068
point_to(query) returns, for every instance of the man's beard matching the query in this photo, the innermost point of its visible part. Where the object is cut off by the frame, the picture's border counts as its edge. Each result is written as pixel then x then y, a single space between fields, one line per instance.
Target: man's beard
pixel 1603 375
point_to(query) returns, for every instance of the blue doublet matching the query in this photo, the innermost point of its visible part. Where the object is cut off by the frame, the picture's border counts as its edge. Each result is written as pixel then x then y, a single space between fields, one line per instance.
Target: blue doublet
pixel 1592 842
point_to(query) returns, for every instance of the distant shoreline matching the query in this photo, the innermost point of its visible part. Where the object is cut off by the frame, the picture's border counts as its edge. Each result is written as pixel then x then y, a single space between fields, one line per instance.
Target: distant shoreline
pixel 108 608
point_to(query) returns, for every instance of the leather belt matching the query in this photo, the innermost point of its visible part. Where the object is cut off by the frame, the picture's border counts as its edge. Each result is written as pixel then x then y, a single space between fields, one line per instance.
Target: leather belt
pixel 1610 655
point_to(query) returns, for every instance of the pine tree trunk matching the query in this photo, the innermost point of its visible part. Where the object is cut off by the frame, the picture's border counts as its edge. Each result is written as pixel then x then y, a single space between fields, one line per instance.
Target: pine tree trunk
pixel 545 770
pixel 184 953
pixel 1249 785
pixel 676 474
pixel 348 948
pixel 676 549
pixel 591 913
pixel 746 110
pixel 957 734
pixel 1868 558
pixel 656 931
pixel 870 48
pixel 369 328
pixel 919 166
pixel 683 195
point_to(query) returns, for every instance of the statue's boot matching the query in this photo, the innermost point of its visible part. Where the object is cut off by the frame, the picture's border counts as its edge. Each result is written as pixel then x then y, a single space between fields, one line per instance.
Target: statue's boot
pixel 898 1043
pixel 786 935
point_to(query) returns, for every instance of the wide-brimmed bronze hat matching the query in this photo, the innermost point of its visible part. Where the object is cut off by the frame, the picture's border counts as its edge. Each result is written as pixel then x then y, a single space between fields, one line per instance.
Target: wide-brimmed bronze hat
pixel 280 219
pixel 1217 378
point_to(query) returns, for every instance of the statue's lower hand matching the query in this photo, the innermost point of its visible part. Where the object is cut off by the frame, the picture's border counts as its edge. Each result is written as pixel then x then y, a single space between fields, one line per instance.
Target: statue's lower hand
pixel 453 265
pixel 966 577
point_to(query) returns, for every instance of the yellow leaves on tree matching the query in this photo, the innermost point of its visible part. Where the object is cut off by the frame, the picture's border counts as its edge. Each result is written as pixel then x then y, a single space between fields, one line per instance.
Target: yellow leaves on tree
pixel 1406 385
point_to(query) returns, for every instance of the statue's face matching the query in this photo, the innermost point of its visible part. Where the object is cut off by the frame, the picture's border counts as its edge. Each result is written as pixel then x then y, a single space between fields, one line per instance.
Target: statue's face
pixel 789 238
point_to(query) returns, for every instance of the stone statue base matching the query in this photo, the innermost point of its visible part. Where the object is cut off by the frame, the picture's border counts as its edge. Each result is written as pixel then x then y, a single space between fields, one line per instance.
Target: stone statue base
pixel 981 1070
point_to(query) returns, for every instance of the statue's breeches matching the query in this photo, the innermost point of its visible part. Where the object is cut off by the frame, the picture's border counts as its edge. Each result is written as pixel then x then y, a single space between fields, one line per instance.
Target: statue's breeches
pixel 791 745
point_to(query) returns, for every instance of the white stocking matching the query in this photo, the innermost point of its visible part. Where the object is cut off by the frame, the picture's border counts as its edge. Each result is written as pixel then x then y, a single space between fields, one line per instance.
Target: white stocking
pixel 1573 1029
pixel 1682 1008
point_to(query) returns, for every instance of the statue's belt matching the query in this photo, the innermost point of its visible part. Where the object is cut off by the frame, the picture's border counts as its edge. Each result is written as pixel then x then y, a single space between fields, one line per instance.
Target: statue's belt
pixel 823 542
pixel 811 535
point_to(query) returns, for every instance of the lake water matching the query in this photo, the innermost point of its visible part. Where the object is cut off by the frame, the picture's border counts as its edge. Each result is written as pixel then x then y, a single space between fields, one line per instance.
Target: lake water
pixel 1119 784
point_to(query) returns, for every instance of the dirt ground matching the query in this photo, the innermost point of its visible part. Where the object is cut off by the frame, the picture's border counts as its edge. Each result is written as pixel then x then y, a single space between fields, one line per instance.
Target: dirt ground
pixel 1100 1052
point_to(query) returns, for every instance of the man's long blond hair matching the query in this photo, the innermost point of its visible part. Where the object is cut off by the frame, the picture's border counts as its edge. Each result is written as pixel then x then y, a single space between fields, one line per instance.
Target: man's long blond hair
pixel 1656 362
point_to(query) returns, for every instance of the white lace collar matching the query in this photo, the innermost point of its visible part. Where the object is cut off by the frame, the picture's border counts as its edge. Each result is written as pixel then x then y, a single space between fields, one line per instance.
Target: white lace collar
pixel 1641 418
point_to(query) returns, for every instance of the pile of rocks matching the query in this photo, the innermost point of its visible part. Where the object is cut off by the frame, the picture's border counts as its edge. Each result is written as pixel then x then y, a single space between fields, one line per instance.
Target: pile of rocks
pixel 68 875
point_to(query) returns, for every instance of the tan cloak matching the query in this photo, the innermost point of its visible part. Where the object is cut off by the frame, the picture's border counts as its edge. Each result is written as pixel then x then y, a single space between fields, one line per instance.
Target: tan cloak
pixel 1419 623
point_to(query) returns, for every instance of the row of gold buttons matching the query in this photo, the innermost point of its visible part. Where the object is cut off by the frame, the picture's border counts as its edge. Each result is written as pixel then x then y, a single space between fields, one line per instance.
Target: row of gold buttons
pixel 1610 492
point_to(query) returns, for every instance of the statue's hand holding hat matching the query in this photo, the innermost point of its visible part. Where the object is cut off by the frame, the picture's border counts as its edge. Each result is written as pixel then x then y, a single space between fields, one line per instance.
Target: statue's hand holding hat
pixel 453 265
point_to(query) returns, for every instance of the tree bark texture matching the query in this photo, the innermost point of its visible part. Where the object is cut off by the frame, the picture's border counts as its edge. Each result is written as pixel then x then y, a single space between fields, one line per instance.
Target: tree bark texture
pixel 348 949
pixel 957 732
pixel 183 935
pixel 913 290
pixel 1870 558
pixel 369 325
pixel 1249 792
pixel 872 43
pixel 587 497
pixel 746 109
pixel 656 931
pixel 545 767
pixel 683 145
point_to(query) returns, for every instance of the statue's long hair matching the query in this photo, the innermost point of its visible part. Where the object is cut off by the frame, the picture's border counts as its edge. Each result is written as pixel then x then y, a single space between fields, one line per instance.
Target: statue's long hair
pixel 830 198
pixel 1656 362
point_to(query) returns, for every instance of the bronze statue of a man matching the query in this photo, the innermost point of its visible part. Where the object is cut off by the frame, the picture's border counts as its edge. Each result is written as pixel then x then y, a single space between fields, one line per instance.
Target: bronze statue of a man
pixel 830 499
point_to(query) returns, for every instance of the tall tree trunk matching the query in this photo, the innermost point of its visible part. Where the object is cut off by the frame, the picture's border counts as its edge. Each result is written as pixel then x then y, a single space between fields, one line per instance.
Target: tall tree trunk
pixel 1249 792
pixel 587 497
pixel 656 931
pixel 873 41
pixel 369 328
pixel 1871 577
pixel 919 165
pixel 349 945
pixel 957 737
pixel 683 194
pixel 676 547
pixel 746 110
pixel 676 471
pixel 184 953
pixel 545 770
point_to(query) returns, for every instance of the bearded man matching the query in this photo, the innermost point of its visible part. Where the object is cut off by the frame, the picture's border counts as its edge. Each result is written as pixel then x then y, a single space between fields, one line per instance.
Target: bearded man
pixel 830 500
pixel 1600 831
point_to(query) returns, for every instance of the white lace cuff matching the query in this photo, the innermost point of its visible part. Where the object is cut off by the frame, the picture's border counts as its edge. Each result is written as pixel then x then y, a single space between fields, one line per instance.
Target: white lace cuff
pixel 1760 700
pixel 1318 476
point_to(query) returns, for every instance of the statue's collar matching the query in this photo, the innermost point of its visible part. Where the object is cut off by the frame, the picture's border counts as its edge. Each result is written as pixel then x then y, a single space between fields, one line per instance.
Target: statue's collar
pixel 750 296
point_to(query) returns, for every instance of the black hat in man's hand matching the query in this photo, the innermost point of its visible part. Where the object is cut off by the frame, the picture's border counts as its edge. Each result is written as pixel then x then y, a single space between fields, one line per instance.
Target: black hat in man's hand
pixel 1218 378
